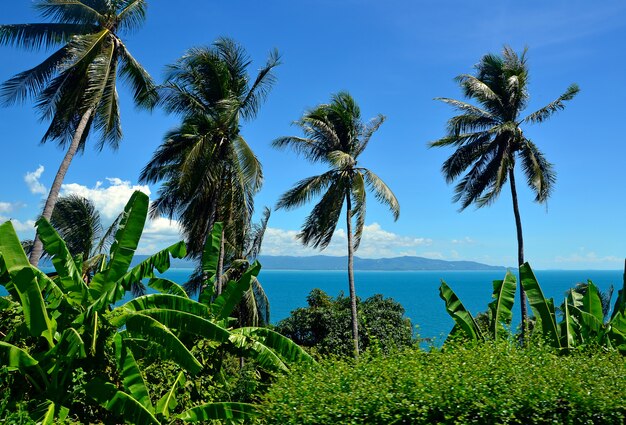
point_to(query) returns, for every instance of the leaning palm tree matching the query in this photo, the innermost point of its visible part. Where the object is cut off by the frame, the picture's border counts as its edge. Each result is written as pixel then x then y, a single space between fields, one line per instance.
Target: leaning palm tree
pixel 208 171
pixel 489 139
pixel 75 87
pixel 335 135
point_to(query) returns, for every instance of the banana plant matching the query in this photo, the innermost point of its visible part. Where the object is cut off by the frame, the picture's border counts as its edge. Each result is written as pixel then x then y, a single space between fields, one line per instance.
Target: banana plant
pixel 582 323
pixel 500 310
pixel 72 323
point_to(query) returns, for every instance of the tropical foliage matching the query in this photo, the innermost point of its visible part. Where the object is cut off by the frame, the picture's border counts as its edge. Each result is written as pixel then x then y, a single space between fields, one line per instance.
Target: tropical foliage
pixel 208 171
pixel 489 139
pixel 582 323
pixel 76 86
pixel 491 383
pixel 336 136
pixel 325 325
pixel 72 332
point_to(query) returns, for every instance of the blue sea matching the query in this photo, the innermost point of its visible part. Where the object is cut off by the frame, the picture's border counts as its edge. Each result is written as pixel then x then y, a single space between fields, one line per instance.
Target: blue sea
pixel 417 291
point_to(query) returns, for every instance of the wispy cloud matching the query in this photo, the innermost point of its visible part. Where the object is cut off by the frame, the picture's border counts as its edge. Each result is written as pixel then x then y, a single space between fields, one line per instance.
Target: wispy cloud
pixel 33 183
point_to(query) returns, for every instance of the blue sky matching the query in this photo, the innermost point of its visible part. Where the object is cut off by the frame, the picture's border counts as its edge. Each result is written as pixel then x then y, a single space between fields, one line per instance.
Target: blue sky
pixel 394 57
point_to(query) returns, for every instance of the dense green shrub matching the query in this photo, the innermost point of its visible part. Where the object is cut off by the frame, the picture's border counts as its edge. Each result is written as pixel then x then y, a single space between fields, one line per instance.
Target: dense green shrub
pixel 472 384
pixel 325 325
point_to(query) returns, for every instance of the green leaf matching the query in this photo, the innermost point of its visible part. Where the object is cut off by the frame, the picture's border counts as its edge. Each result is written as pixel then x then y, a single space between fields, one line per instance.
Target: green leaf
pixel 457 311
pixel 590 327
pixel 12 255
pixel 166 286
pixel 124 246
pixel 33 305
pixel 220 411
pixel 48 417
pixel 223 305
pixel 592 302
pixel 283 346
pixel 211 253
pixel 70 278
pixel 145 269
pixel 503 299
pixel 131 375
pixel 257 351
pixel 140 325
pixel 164 301
pixel 14 357
pixel 568 328
pixel 542 308
pixel 119 402
pixel 168 401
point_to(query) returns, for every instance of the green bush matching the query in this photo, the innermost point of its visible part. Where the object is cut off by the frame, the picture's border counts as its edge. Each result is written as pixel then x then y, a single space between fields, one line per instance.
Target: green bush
pixel 472 384
pixel 325 325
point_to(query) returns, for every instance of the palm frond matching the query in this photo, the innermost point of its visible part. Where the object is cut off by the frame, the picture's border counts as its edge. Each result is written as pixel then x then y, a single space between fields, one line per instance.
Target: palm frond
pixel 319 226
pixel 306 190
pixel 141 83
pixel 261 87
pixel 540 174
pixel 132 15
pixel 367 131
pixel 382 192
pixel 40 36
pixel 558 105
pixel 69 11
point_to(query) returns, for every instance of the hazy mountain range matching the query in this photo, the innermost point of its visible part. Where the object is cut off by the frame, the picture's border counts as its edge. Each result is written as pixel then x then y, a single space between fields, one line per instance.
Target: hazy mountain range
pixel 326 262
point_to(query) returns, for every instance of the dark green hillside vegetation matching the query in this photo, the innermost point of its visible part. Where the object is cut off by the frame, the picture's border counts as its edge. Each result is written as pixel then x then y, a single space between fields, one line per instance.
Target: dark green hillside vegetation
pixel 473 384
pixel 324 326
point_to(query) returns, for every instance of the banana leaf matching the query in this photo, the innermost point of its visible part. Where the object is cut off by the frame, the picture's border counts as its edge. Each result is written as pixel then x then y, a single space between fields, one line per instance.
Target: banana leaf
pixel 591 329
pixel 568 328
pixel 220 411
pixel 211 253
pixel 14 357
pixel 592 303
pixel 284 347
pixel 184 322
pixel 166 286
pixel 132 380
pixel 123 248
pixel 139 325
pixel 257 351
pixel 70 278
pixel 165 301
pixel 33 305
pixel 503 299
pixel 168 401
pixel 13 256
pixel 119 402
pixel 457 311
pixel 224 304
pixel 542 308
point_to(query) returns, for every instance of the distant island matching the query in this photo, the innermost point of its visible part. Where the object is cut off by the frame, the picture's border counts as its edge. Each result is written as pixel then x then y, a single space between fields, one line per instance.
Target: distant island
pixel 327 262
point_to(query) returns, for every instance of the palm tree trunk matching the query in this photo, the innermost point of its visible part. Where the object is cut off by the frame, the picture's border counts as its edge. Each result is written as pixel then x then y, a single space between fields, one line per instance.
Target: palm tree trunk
pixel 220 264
pixel 355 320
pixel 520 251
pixel 37 250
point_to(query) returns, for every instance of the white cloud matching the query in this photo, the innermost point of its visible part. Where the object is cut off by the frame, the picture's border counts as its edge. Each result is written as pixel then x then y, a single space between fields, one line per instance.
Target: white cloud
pixel 7 207
pixel 375 243
pixel 159 234
pixel 20 226
pixel 108 200
pixel 466 240
pixel 33 183
pixel 589 259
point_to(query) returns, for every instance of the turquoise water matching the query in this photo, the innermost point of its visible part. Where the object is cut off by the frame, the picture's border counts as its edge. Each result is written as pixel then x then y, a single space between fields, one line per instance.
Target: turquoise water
pixel 417 291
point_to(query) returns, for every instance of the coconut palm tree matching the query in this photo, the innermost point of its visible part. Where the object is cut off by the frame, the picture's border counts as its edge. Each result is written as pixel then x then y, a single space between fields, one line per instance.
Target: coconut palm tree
pixel 488 138
pixel 79 224
pixel 208 171
pixel 335 135
pixel 75 87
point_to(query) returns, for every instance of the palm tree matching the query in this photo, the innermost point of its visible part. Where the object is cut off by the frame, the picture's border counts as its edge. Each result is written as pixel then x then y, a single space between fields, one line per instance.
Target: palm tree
pixel 79 224
pixel 75 87
pixel 488 138
pixel 208 171
pixel 336 136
